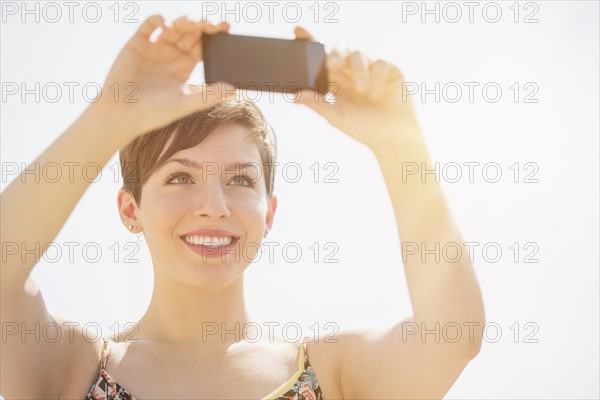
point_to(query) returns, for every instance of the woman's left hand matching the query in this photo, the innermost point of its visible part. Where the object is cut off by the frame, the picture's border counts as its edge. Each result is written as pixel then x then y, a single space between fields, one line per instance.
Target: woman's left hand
pixel 371 105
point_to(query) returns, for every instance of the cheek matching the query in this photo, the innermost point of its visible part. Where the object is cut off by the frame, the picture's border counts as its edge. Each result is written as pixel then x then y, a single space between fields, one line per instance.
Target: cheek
pixel 160 209
pixel 255 205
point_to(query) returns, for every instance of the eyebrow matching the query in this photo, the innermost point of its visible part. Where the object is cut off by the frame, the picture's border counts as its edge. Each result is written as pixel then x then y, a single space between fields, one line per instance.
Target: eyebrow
pixel 194 164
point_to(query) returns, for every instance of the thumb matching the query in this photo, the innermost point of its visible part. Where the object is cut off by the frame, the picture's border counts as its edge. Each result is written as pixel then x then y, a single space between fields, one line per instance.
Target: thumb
pixel 206 95
pixel 302 34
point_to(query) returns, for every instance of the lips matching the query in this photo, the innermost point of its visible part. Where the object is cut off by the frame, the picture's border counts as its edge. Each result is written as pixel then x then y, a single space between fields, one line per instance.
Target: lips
pixel 211 233
pixel 217 236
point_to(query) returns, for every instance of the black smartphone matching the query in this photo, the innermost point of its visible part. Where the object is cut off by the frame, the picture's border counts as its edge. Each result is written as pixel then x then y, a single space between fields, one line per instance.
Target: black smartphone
pixel 267 64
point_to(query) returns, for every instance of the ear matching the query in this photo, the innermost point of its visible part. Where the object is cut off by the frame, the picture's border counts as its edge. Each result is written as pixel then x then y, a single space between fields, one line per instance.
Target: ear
pixel 271 208
pixel 128 210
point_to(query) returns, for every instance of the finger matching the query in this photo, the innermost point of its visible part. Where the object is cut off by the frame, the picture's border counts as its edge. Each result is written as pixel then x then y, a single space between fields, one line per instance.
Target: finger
pixel 185 25
pixel 359 65
pixel 338 74
pixel 338 57
pixel 303 34
pixel 224 27
pixel 379 72
pixel 191 32
pixel 210 28
pixel 189 43
pixel 334 60
pixel 395 76
pixel 168 34
pixel 150 25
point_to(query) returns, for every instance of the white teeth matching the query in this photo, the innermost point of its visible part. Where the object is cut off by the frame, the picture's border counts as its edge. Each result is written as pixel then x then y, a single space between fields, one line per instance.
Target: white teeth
pixel 209 241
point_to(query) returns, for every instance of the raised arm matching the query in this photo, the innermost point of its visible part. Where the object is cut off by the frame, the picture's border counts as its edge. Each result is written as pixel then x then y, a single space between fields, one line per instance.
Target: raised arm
pixel 33 213
pixel 404 361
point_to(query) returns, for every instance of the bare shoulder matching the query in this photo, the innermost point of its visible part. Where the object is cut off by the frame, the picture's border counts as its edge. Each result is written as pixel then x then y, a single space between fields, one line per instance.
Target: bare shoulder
pixel 379 363
pixel 82 358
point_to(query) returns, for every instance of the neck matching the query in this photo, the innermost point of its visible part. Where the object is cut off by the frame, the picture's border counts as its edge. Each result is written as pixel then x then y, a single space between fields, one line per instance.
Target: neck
pixel 180 314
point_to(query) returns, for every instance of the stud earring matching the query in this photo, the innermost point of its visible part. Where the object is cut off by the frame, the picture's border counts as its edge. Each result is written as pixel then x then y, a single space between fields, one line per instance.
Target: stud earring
pixel 130 227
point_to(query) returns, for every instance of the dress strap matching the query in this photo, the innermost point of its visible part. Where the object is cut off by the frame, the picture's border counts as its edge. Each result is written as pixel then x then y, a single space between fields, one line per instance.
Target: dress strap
pixel 105 351
pixel 305 345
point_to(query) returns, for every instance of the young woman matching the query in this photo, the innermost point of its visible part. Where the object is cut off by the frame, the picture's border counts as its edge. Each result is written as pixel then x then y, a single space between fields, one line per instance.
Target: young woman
pixel 197 224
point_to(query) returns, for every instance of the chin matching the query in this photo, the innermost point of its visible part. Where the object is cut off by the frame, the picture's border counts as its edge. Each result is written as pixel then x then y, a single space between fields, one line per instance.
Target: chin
pixel 213 274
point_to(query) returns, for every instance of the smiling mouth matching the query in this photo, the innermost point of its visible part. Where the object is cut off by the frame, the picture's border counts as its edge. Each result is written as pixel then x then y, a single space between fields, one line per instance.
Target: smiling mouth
pixel 211 246
pixel 210 241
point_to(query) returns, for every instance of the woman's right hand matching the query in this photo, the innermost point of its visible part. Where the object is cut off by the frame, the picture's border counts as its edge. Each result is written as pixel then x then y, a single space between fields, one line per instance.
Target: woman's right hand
pixel 146 86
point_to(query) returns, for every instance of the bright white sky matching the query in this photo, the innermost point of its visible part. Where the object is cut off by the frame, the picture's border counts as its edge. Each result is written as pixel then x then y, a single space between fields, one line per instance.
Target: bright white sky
pixel 556 355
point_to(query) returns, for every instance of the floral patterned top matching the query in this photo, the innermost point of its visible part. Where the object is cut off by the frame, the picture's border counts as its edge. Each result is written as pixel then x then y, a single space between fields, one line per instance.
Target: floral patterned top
pixel 302 386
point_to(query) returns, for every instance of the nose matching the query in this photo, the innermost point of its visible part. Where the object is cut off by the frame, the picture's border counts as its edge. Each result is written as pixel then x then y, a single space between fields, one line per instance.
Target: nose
pixel 211 202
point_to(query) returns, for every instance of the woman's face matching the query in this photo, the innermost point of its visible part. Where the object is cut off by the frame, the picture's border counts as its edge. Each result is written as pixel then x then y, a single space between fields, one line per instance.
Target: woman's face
pixel 201 188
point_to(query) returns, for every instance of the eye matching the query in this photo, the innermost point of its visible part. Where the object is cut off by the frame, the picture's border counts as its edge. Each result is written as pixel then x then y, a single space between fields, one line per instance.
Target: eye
pixel 243 180
pixel 178 178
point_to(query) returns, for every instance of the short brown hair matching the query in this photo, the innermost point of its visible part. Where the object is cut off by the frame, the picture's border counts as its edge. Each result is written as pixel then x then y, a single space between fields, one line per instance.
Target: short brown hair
pixel 140 158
